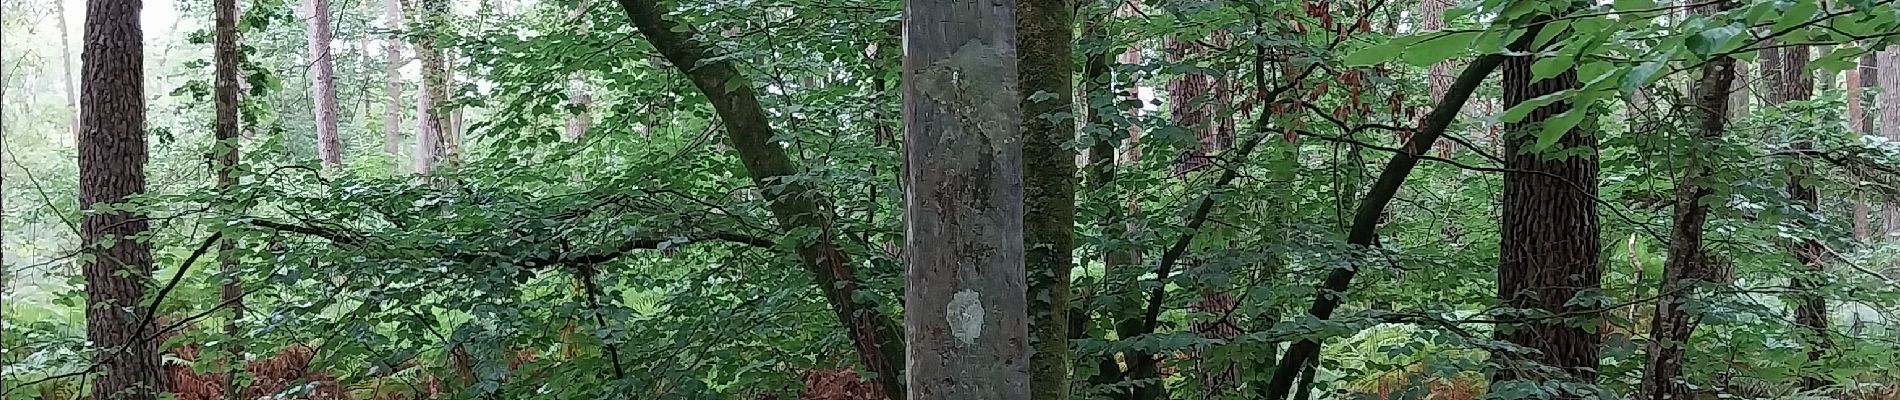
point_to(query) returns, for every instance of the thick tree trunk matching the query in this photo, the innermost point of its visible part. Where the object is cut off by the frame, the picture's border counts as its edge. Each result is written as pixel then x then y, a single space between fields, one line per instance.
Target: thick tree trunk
pixel 1549 249
pixel 323 85
pixel 1672 326
pixel 1045 30
pixel 392 80
pixel 433 121
pixel 1889 123
pixel 796 206
pixel 965 316
pixel 1794 83
pixel 225 129
pixel 112 158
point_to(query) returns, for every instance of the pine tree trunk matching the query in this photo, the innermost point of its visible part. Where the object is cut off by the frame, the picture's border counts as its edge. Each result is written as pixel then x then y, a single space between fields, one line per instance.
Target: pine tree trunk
pixel 1794 83
pixel 112 157
pixel 225 130
pixel 964 307
pixel 392 80
pixel 323 85
pixel 1045 30
pixel 1550 235
pixel 1672 326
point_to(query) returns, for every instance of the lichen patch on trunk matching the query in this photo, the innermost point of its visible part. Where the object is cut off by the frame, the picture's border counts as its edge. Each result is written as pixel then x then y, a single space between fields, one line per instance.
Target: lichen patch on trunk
pixel 965 316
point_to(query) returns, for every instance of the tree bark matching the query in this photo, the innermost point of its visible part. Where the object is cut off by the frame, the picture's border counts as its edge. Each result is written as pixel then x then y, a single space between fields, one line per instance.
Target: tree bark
pixel 432 129
pixel 112 158
pixel 1365 223
pixel 1672 327
pixel 66 64
pixel 1549 249
pixel 1045 30
pixel 796 206
pixel 1861 123
pixel 965 316
pixel 1794 83
pixel 392 80
pixel 323 85
pixel 225 151
pixel 1194 101
pixel 1889 103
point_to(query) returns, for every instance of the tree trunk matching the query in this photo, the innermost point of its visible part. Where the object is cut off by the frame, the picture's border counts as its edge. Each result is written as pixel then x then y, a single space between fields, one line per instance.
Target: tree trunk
pixel 580 119
pixel 392 80
pixel 1672 327
pixel 1738 95
pixel 1045 30
pixel 1861 123
pixel 1194 101
pixel 964 309
pixel 1794 83
pixel 1439 76
pixel 66 65
pixel 433 125
pixel 1549 245
pixel 1889 103
pixel 225 129
pixel 796 206
pixel 323 85
pixel 112 158
pixel 1100 132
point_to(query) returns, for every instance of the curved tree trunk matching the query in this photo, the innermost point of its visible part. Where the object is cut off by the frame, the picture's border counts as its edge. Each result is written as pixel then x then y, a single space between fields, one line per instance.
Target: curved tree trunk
pixel 323 85
pixel 1045 30
pixel 1672 326
pixel 1549 249
pixel 112 158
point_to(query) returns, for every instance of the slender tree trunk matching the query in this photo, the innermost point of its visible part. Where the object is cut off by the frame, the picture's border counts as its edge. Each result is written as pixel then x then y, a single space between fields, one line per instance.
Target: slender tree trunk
pixel 112 158
pixel 66 64
pixel 225 129
pixel 323 85
pixel 1794 83
pixel 796 206
pixel 392 80
pixel 433 126
pixel 1550 237
pixel 1861 123
pixel 1889 123
pixel 964 309
pixel 1439 76
pixel 581 118
pixel 1738 95
pixel 1194 101
pixel 1672 326
pixel 1046 43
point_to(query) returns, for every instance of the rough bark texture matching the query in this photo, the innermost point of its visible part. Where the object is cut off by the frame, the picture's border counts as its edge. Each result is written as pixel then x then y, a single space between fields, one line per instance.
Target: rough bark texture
pixel 1794 83
pixel 432 128
pixel 1672 327
pixel 323 84
pixel 1889 123
pixel 965 317
pixel 225 129
pixel 1550 236
pixel 1371 210
pixel 795 206
pixel 392 80
pixel 112 158
pixel 1045 32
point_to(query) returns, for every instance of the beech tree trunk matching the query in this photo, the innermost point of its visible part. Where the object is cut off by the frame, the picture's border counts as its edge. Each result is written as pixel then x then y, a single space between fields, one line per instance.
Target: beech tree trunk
pixel 1793 82
pixel 1672 326
pixel 796 206
pixel 1549 249
pixel 392 79
pixel 112 158
pixel 323 85
pixel 1045 40
pixel 965 317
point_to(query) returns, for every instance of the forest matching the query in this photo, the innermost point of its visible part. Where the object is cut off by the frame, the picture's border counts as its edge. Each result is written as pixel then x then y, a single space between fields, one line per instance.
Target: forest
pixel 949 199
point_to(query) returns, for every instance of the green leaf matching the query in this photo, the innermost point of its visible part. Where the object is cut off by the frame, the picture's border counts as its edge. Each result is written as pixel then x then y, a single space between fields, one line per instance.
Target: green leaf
pixel 1517 113
pixel 1555 128
pixel 1712 40
pixel 1644 74
pixel 1802 11
pixel 1438 47
pixel 1633 5
pixel 1551 66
